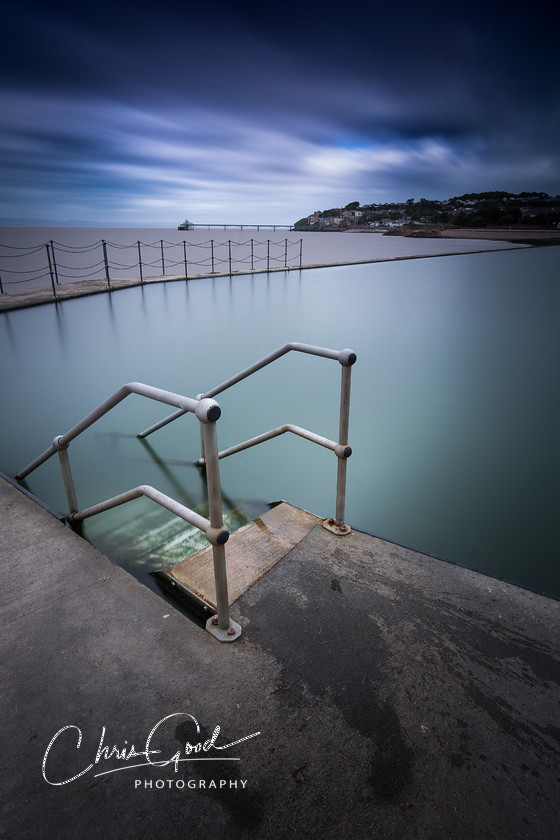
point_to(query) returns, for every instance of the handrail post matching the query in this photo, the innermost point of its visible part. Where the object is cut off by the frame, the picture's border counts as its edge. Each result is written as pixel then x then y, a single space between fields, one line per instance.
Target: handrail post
pixel 344 423
pixel 66 475
pixel 220 626
pixel 337 525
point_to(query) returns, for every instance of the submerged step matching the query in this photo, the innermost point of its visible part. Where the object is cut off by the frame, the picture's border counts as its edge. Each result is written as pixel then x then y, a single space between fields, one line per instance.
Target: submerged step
pixel 250 553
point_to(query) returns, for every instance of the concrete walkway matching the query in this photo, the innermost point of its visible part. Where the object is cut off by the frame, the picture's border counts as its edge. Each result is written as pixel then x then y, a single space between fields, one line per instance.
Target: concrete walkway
pixel 395 696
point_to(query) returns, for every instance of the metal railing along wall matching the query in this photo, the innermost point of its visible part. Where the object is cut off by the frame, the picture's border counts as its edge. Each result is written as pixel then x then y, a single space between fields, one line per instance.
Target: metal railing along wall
pixel 57 264
pixel 207 411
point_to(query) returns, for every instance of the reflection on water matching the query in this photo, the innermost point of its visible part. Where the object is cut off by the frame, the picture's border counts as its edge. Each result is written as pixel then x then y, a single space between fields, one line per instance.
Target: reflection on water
pixel 454 417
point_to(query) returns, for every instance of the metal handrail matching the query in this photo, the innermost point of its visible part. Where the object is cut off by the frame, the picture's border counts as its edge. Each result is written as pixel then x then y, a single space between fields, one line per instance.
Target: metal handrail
pixel 346 358
pixel 160 498
pixel 208 412
pixel 186 404
pixel 342 451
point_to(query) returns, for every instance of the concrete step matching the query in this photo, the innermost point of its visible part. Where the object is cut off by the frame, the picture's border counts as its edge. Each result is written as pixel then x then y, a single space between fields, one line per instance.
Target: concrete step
pixel 250 553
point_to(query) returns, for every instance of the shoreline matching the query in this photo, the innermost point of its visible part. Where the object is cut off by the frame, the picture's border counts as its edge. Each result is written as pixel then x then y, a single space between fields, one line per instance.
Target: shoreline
pixel 537 238
pixel 519 236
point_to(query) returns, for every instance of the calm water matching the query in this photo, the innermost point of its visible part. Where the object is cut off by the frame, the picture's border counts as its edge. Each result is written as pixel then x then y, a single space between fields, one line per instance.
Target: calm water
pixel 454 418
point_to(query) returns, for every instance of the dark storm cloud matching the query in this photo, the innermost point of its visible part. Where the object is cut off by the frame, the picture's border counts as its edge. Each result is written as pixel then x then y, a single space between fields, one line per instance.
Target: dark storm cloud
pixel 241 108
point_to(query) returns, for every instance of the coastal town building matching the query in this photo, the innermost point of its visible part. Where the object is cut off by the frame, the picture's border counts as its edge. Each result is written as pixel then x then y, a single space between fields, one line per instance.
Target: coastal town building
pixel 485 209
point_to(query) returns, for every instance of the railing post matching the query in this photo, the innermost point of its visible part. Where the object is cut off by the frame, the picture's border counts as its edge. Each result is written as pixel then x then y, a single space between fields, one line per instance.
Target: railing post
pixel 106 261
pixel 252 256
pixel 268 254
pixel 212 253
pixel 229 255
pixel 51 270
pixel 285 253
pixel 220 626
pixel 2 292
pixel 162 259
pixel 185 258
pixel 54 263
pixel 300 251
pixel 140 262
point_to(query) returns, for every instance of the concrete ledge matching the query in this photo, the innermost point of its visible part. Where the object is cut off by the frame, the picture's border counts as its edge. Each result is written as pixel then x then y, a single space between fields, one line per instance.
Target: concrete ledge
pixel 395 696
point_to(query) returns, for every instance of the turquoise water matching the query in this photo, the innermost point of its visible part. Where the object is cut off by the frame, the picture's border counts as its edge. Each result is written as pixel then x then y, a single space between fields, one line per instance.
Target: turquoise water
pixel 454 417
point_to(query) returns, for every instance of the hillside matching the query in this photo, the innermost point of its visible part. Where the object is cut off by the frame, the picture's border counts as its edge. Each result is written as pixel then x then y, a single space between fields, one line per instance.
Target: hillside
pixel 472 210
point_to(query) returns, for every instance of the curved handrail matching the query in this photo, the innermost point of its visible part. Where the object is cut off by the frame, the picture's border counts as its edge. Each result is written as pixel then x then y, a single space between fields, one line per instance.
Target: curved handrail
pixel 346 358
pixel 340 450
pixel 206 411
pixel 214 536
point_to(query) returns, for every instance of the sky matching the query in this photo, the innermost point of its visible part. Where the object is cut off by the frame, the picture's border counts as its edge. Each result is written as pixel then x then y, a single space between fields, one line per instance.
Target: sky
pixel 150 113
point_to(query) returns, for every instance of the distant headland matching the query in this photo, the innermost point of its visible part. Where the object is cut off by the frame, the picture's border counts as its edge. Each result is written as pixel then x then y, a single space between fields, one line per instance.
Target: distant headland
pixel 523 210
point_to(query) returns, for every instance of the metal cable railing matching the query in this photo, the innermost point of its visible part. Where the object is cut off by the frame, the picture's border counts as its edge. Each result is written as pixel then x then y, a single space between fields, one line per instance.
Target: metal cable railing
pixel 52 260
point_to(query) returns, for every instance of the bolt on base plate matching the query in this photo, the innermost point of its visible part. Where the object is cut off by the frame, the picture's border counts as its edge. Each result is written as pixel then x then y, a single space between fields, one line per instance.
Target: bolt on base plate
pixel 232 633
pixel 340 530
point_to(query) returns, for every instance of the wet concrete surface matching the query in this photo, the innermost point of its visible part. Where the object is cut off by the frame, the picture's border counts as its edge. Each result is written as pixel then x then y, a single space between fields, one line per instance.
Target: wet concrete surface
pixel 395 696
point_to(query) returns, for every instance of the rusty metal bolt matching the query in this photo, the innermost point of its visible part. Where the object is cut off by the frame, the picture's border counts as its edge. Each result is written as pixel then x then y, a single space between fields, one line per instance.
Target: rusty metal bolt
pixel 231 631
pixel 215 620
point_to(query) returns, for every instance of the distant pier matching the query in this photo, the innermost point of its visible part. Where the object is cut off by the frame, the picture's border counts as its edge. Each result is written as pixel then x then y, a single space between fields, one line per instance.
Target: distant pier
pixel 190 226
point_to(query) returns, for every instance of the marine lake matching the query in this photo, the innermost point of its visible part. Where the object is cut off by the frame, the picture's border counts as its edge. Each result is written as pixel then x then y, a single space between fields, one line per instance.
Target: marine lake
pixel 455 404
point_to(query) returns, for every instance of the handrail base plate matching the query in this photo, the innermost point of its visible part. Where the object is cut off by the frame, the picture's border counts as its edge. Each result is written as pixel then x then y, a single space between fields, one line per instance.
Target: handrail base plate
pixel 224 635
pixel 340 530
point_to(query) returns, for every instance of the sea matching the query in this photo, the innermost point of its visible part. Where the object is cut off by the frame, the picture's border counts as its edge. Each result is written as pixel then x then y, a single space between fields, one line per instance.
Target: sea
pixel 455 405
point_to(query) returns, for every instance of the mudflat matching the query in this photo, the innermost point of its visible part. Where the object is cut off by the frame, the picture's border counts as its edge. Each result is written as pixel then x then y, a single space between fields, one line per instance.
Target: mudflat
pixel 532 237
